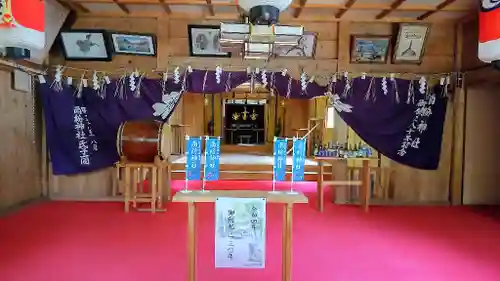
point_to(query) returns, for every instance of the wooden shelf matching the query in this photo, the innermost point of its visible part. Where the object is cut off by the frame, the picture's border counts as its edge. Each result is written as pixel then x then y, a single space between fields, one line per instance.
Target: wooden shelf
pixel 340 159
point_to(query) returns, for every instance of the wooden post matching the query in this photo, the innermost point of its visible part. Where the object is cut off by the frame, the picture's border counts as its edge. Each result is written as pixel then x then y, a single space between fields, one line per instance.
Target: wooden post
pixel 153 185
pixel 366 190
pixel 45 161
pixel 161 170
pixel 319 187
pixel 287 243
pixel 127 189
pixel 169 182
pixel 191 241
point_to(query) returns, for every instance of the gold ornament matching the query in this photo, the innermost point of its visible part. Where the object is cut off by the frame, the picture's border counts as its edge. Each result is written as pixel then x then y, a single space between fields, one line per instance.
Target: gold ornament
pixel 254 115
pixel 236 116
pixel 245 113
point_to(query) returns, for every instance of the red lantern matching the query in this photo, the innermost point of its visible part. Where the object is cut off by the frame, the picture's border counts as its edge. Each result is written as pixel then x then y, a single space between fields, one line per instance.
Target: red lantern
pixel 489 31
pixel 22 24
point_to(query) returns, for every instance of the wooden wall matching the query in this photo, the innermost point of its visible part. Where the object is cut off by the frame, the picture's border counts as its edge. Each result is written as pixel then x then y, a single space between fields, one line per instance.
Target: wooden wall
pixel 481 133
pixel 20 163
pixel 481 176
pixel 332 54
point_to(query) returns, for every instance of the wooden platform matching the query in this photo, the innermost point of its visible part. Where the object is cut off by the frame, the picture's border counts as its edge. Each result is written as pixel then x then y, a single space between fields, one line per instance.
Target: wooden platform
pixel 264 149
pixel 236 166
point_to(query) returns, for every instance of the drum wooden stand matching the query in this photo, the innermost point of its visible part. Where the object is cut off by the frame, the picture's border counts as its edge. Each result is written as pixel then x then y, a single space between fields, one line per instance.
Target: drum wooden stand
pixel 135 173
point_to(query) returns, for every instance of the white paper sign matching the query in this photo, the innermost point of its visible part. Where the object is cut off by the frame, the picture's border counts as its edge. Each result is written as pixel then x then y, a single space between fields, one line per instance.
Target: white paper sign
pixel 240 233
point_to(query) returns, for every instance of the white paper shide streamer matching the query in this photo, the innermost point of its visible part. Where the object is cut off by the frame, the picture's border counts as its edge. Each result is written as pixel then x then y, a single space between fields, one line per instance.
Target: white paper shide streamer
pixel 422 85
pixel 263 74
pixel 177 75
pixel 57 84
pixel 385 90
pixel 95 81
pixel 218 73
pixel 131 82
pixel 303 81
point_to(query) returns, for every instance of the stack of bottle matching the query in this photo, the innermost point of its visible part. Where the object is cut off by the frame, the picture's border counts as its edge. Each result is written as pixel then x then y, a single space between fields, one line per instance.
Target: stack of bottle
pixel 338 150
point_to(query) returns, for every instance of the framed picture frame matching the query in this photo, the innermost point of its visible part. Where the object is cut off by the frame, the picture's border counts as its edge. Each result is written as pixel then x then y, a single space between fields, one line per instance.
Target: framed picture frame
pixel 410 43
pixel 85 45
pixel 370 48
pixel 204 41
pixel 305 49
pixel 136 44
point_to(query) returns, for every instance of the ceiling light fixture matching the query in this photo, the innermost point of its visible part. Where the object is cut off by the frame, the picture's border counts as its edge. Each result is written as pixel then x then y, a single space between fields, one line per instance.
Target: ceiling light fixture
pixel 259 34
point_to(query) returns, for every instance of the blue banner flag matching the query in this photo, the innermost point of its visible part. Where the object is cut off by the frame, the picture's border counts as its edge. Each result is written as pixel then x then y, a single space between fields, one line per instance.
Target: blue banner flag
pixel 280 149
pixel 193 158
pixel 212 158
pixel 299 159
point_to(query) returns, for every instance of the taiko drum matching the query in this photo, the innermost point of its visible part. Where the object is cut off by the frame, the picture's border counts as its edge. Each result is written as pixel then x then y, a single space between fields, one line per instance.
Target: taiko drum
pixel 142 141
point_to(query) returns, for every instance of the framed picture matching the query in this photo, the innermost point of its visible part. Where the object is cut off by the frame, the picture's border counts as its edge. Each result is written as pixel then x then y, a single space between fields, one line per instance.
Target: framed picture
pixel 85 45
pixel 306 47
pixel 134 44
pixel 410 43
pixel 369 48
pixel 204 41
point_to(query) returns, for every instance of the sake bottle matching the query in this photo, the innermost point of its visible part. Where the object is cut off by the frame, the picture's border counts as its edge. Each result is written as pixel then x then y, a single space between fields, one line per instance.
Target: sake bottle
pixel 321 152
pixel 335 150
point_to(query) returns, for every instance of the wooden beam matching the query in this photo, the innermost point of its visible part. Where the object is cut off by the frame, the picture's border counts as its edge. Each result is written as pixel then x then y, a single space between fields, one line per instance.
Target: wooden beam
pixel 393 7
pixel 233 16
pixel 348 5
pixel 210 8
pixel 77 7
pixel 298 10
pixel 122 6
pixel 165 7
pixel 438 8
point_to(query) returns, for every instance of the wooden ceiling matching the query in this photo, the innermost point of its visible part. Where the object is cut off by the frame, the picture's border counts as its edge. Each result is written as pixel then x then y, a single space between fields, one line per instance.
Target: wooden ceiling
pixel 300 10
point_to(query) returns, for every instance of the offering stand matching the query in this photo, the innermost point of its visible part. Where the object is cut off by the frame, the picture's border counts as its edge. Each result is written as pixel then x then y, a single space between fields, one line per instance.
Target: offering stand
pixel 288 199
pixel 364 183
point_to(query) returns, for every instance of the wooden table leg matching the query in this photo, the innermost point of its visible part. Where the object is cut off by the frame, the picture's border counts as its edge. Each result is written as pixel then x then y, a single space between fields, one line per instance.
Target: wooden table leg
pixel 366 190
pixel 319 188
pixel 153 185
pixel 191 241
pixel 287 244
pixel 161 170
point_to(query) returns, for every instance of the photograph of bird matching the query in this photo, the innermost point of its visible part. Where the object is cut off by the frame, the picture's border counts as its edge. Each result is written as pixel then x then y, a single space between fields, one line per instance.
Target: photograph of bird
pixel 86 44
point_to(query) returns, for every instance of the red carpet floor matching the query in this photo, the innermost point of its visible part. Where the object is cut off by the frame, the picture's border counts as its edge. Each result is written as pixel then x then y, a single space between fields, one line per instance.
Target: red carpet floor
pixel 96 241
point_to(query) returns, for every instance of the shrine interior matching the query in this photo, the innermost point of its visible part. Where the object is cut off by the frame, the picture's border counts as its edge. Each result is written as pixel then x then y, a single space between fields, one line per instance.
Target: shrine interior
pixel 133 122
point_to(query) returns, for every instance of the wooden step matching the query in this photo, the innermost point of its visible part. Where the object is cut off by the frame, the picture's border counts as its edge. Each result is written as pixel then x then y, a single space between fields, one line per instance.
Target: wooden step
pixel 351 183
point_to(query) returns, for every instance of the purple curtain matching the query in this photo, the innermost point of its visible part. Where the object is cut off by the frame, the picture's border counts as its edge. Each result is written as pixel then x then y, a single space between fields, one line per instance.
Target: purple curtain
pixel 400 120
pixel 403 124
